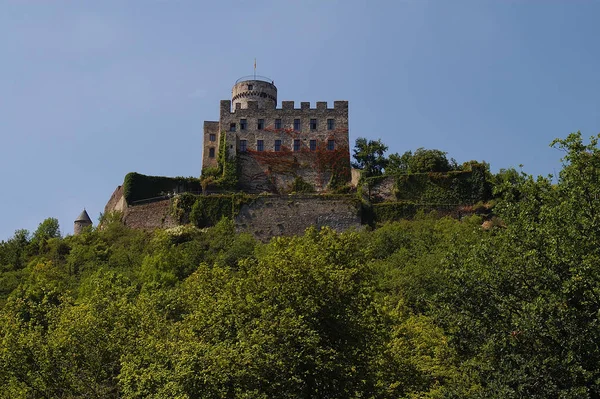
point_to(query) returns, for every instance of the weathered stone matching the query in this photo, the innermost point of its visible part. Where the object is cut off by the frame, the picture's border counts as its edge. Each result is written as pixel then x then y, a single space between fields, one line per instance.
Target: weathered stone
pixel 286 151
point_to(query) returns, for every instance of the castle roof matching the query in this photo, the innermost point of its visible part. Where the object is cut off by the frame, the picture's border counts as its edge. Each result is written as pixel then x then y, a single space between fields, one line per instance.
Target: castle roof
pixel 84 217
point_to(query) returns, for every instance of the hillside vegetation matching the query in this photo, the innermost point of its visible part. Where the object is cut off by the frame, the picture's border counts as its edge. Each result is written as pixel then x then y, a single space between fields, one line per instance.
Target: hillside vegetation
pixel 427 308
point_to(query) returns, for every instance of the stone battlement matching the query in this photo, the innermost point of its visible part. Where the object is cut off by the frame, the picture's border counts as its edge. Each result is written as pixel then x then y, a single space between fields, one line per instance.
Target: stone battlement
pixel 285 106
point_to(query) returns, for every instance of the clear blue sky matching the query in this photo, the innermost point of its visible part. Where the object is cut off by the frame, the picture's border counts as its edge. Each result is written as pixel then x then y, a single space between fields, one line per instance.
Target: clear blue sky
pixel 92 90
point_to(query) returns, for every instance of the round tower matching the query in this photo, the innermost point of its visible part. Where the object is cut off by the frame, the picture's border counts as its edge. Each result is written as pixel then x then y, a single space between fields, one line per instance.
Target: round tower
pixel 82 222
pixel 254 88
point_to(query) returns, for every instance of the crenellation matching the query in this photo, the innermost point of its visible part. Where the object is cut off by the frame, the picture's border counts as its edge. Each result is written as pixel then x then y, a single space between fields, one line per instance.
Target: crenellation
pixel 340 105
pixel 290 143
pixel 225 106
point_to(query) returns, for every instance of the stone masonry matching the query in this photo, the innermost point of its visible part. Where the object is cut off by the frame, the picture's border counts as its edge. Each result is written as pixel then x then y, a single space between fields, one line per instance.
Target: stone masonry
pixel 275 146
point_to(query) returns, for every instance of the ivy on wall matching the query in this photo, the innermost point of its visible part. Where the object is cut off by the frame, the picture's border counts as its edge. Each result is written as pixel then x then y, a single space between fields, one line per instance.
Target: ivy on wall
pixel 138 187
pixel 207 210
pixel 225 175
pixel 331 166
pixel 455 187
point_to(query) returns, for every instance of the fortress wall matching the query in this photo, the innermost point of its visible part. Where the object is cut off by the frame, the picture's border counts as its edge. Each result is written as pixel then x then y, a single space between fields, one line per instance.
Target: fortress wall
pixel 291 215
pixel 383 190
pixel 116 202
pixel 150 216
pixel 274 171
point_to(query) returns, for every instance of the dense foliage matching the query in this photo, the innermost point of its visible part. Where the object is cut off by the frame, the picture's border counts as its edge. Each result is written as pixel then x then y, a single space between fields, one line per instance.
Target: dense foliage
pixel 429 308
pixel 138 187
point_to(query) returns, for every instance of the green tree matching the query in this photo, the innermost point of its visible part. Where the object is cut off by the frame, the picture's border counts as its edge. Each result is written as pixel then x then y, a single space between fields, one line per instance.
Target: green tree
pixel 369 156
pixel 421 161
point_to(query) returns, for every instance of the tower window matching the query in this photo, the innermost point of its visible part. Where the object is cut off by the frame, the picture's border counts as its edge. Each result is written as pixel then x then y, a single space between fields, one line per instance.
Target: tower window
pixel 277 145
pixel 313 145
pixel 243 145
pixel 250 87
pixel 211 152
pixel 243 124
pixel 296 145
pixel 277 123
pixel 297 124
pixel 313 124
pixel 330 124
pixel 232 127
pixel 260 145
pixel 331 145
pixel 212 137
pixel 261 124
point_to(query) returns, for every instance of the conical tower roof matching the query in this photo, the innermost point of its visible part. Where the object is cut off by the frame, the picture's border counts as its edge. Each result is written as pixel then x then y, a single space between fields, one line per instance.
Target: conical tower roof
pixel 84 217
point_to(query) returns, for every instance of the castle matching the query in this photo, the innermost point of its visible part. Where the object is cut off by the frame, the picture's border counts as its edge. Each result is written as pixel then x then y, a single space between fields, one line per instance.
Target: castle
pixel 278 149
pixel 272 172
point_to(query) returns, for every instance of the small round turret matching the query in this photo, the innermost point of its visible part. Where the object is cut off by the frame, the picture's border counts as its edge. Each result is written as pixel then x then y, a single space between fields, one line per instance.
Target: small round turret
pixel 82 221
pixel 254 88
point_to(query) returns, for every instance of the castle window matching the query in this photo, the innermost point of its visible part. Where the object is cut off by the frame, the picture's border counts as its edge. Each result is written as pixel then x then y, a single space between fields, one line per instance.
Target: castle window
pixel 277 123
pixel 313 145
pixel 211 152
pixel 232 127
pixel 261 124
pixel 313 124
pixel 243 145
pixel 331 145
pixel 250 87
pixel 277 145
pixel 243 124
pixel 212 137
pixel 330 124
pixel 296 145
pixel 297 124
pixel 260 145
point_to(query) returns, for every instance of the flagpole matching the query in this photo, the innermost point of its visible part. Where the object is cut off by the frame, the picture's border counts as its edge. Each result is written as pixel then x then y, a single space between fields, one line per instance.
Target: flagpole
pixel 255 69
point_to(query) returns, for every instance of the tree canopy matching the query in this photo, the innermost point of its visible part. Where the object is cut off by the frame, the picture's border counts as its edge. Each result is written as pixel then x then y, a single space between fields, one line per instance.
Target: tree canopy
pixel 433 307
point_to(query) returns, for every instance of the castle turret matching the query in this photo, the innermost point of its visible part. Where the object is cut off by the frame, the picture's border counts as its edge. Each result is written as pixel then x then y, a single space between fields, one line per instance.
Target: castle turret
pixel 82 221
pixel 254 88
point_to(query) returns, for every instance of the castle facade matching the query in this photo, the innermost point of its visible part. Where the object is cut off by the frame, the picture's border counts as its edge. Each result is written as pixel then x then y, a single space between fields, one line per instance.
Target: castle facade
pixel 278 150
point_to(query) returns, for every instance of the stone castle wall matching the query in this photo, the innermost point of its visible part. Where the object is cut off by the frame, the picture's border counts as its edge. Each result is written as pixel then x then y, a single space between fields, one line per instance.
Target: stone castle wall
pixel 272 216
pixel 274 169
pixel 264 93
pixel 211 131
pixel 265 217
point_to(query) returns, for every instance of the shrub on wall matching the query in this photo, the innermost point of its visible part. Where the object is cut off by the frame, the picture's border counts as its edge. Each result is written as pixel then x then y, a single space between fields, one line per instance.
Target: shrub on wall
pixel 455 187
pixel 137 187
pixel 300 186
pixel 208 210
pixel 394 211
pixel 225 174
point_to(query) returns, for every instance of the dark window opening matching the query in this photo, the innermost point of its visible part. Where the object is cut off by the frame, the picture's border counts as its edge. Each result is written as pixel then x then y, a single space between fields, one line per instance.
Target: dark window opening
pixel 296 145
pixel 232 127
pixel 277 145
pixel 261 124
pixel 313 145
pixel 296 124
pixel 260 145
pixel 243 124
pixel 213 137
pixel 313 124
pixel 330 124
pixel 277 123
pixel 250 87
pixel 243 145
pixel 211 152
pixel 331 145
